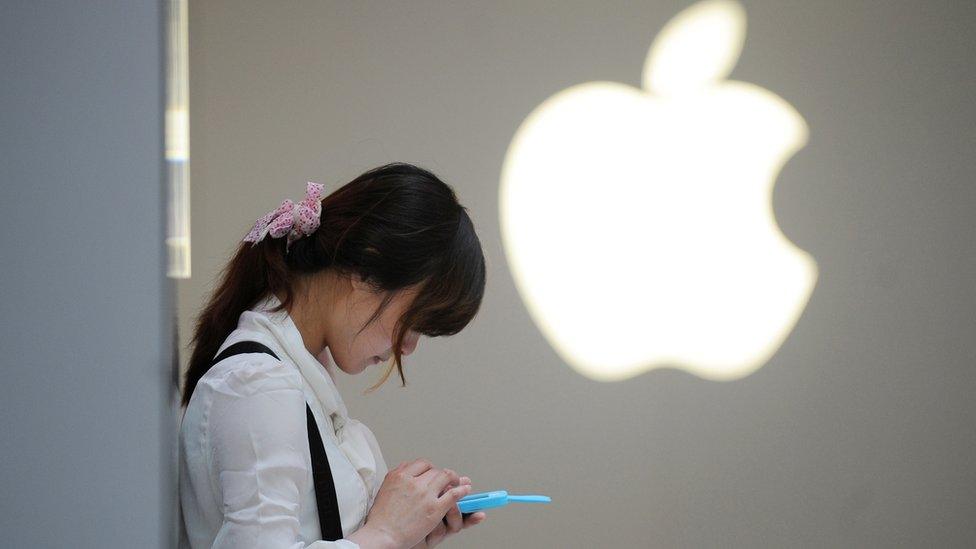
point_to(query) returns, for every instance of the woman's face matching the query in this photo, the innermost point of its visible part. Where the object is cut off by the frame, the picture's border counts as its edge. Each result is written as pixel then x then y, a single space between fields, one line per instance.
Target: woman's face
pixel 353 352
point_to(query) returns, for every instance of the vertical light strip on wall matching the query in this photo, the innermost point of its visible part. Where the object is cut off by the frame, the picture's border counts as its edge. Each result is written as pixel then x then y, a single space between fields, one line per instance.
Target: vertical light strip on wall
pixel 178 140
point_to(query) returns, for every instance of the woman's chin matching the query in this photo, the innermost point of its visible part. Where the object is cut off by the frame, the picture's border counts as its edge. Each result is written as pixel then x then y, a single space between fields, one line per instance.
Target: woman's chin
pixel 371 361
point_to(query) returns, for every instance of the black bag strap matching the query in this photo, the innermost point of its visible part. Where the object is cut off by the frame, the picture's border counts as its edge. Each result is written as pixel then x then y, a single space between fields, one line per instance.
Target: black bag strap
pixel 325 495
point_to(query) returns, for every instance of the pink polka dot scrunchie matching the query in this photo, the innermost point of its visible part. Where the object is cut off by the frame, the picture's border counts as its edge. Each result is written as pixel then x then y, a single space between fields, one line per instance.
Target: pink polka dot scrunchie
pixel 295 221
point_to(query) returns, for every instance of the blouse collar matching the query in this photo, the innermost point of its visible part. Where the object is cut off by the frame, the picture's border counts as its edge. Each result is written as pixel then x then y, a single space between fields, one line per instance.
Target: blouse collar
pixel 354 438
pixel 289 339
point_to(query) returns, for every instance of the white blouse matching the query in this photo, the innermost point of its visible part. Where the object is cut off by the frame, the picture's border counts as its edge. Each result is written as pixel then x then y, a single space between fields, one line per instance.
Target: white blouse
pixel 245 469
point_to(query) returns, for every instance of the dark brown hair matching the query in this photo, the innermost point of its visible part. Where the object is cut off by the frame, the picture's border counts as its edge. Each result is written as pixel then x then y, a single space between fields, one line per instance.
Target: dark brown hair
pixel 396 226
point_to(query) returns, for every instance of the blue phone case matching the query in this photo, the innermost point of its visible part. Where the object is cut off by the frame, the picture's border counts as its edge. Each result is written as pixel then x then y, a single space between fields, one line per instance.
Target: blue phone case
pixel 498 498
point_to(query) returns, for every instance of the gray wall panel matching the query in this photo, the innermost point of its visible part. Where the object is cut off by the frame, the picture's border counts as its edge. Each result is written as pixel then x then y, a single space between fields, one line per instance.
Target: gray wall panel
pixel 86 316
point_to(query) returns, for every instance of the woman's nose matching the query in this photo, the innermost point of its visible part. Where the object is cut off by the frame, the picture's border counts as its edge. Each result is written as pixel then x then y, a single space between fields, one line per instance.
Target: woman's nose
pixel 410 343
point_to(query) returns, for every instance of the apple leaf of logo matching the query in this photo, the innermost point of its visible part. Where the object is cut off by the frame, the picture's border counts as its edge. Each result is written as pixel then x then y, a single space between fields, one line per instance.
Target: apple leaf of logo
pixel 699 46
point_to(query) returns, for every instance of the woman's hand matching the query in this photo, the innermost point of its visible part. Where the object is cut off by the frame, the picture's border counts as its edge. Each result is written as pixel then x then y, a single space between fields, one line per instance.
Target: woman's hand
pixel 413 499
pixel 451 524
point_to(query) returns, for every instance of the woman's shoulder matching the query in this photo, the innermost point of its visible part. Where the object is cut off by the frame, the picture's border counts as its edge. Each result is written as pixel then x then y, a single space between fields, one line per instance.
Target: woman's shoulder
pixel 247 394
pixel 251 373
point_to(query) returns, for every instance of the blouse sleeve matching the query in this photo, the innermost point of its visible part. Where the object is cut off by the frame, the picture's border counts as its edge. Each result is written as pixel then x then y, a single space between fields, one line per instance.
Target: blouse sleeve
pixel 258 457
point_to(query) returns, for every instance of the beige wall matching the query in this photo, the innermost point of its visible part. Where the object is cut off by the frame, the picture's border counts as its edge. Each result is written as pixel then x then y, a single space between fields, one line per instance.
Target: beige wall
pixel 858 432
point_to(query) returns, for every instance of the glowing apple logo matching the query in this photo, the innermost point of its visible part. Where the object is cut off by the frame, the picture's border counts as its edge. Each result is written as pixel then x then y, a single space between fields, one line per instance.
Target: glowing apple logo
pixel 638 223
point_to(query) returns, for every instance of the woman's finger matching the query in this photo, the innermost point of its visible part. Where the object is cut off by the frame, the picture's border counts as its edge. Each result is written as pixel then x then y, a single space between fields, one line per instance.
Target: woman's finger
pixel 441 481
pixel 417 467
pixel 475 518
pixel 434 479
pixel 453 520
pixel 451 497
pixel 455 480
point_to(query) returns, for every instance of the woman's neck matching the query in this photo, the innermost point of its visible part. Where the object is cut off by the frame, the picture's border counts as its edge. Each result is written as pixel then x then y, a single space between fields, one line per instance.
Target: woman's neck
pixel 310 302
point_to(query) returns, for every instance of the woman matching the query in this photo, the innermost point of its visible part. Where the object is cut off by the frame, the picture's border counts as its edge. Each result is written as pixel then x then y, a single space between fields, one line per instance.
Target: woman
pixel 358 275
